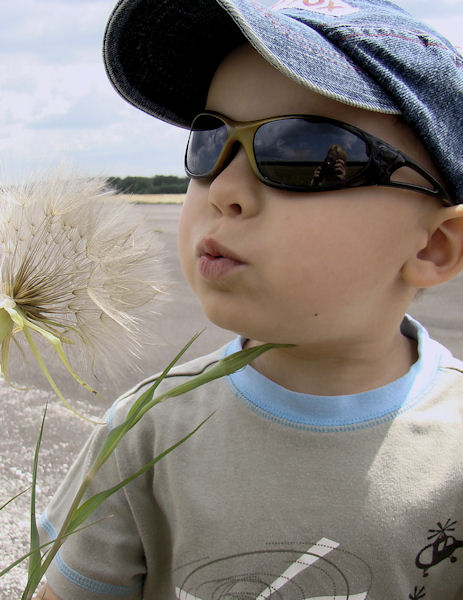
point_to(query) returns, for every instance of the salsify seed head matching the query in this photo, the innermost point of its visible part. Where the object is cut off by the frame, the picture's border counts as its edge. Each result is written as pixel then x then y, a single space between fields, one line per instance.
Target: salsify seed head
pixel 79 266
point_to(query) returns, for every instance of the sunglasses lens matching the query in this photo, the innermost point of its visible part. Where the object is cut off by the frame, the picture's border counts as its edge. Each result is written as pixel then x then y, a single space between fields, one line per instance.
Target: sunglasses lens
pixel 304 154
pixel 207 138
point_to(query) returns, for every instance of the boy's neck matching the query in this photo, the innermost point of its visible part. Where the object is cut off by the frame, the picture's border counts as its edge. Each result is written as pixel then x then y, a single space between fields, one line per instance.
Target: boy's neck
pixel 349 370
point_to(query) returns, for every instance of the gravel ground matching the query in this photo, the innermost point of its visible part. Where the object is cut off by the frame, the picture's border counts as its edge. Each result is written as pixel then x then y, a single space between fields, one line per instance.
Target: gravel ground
pixel 62 437
pixel 21 411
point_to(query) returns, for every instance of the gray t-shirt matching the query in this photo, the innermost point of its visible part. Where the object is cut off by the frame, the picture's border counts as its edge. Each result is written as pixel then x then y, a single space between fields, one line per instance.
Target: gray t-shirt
pixel 280 494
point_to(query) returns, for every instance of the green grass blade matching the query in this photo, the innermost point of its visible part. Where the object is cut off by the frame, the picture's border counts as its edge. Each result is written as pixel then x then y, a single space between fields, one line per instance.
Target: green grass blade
pixel 29 589
pixel 80 514
pixel 148 394
pixel 35 559
pixel 225 366
pixel 17 562
pixel 14 498
pixel 86 509
pixel 136 411
pixel 21 559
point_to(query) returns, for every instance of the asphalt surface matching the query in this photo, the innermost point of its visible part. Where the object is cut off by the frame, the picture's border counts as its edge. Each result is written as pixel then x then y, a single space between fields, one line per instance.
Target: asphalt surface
pixel 180 318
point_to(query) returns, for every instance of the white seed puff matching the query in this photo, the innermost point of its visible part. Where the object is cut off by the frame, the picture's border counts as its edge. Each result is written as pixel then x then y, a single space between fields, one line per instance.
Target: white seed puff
pixel 77 266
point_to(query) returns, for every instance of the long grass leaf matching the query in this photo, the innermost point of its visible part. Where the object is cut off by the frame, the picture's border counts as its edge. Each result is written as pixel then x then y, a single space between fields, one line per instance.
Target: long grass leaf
pixel 33 582
pixel 77 514
pixel 35 559
pixel 86 509
pixel 14 498
pixel 24 557
pixel 133 416
pixel 148 394
pixel 223 367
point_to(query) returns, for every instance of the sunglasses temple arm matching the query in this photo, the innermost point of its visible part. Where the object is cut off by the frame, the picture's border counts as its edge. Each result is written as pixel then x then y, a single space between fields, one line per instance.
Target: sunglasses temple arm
pixel 438 190
pixel 385 161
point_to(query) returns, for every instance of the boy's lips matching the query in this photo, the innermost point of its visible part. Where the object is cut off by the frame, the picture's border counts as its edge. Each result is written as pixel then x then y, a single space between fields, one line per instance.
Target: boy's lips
pixel 216 260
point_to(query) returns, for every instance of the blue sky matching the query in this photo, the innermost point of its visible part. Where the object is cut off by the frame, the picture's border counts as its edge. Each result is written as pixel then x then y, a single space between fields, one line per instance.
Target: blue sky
pixel 57 105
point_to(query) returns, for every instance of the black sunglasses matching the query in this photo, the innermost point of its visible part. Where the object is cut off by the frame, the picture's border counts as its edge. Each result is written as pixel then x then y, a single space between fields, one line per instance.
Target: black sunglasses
pixel 302 153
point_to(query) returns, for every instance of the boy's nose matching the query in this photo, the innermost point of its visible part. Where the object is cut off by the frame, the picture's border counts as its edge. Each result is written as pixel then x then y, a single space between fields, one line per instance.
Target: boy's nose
pixel 236 191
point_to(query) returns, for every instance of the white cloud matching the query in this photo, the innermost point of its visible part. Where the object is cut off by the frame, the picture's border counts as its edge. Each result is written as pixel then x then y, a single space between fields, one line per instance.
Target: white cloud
pixel 51 31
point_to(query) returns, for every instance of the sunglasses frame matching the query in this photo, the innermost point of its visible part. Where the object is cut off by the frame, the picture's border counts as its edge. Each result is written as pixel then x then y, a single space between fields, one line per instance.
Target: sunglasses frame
pixel 384 159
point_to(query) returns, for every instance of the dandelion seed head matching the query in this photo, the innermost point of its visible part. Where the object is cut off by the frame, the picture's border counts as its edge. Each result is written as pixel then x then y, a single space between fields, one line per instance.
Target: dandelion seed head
pixel 80 266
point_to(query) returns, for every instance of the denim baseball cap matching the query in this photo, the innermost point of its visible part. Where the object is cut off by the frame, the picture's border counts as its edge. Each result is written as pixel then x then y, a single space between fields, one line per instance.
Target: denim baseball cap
pixel 160 55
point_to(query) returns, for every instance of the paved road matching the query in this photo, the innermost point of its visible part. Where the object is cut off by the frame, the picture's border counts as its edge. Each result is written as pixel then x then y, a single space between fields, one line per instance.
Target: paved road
pixel 20 412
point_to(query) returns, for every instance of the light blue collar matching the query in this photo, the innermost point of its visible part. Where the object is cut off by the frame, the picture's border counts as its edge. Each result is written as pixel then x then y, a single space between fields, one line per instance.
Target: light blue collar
pixel 336 413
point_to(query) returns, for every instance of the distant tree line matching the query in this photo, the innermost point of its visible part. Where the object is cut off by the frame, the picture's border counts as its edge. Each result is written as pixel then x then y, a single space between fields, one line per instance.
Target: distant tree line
pixel 159 184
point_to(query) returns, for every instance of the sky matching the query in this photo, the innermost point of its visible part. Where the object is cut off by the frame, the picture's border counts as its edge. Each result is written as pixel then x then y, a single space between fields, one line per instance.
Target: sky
pixel 57 105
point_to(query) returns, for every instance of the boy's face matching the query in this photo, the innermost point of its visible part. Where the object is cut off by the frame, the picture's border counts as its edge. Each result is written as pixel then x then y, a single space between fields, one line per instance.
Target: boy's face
pixel 299 268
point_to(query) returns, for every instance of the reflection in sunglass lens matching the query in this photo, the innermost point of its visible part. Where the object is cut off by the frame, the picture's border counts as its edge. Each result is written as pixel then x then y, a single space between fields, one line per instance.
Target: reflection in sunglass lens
pixel 303 154
pixel 207 138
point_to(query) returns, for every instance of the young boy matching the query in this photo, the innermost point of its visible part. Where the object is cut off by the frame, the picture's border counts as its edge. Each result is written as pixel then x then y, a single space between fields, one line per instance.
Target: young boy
pixel 332 467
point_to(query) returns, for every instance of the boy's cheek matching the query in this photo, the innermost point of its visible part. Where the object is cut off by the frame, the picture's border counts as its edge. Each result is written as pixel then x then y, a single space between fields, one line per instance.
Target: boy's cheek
pixel 188 238
pixel 197 192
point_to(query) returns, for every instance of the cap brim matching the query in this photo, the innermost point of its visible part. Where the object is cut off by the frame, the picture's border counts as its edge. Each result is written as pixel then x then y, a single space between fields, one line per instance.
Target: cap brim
pixel 161 56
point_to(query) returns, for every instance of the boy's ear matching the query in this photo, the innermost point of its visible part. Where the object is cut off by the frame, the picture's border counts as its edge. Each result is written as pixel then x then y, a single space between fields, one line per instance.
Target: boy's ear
pixel 442 257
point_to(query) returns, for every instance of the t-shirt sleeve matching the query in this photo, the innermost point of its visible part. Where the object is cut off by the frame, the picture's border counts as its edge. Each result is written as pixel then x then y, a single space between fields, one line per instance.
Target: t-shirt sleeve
pixel 106 558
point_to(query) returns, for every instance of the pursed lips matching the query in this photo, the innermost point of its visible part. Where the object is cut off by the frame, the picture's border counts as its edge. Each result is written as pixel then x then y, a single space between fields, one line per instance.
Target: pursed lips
pixel 215 260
